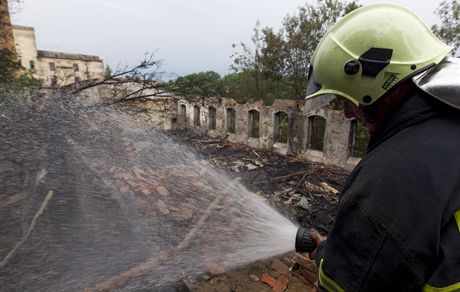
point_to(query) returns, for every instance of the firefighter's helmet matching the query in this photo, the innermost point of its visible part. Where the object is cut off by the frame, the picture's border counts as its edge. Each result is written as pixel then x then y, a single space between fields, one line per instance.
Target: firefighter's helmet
pixel 369 51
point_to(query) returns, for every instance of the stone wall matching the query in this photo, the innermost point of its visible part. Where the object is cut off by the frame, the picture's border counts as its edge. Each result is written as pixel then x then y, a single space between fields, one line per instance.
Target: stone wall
pixel 170 112
pixel 337 132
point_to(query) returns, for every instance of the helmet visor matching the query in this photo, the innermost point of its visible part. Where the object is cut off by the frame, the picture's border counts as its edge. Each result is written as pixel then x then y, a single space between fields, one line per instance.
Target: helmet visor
pixel 316 102
pixel 312 86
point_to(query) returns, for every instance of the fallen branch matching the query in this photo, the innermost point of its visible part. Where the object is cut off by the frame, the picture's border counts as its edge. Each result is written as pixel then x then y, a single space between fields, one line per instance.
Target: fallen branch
pixel 256 153
pixel 152 263
pixel 300 182
pixel 289 175
pixel 29 231
pixel 13 199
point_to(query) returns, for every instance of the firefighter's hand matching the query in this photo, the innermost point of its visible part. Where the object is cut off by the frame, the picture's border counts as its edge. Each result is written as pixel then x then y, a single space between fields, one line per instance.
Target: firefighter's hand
pixel 317 238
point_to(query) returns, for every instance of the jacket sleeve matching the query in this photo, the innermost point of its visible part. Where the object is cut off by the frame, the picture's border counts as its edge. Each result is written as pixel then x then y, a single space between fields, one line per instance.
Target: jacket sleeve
pixel 361 254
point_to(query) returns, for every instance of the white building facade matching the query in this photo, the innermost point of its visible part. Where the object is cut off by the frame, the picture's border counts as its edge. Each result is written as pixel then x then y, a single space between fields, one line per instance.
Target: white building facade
pixel 54 68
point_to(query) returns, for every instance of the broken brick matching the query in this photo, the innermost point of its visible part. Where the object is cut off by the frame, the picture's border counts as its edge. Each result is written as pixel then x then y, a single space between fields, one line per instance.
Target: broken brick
pixel 310 276
pixel 280 267
pixel 145 191
pixel 124 188
pixel 278 285
pixel 163 191
pixel 186 211
pixel 162 207
pixel 267 279
pixel 306 263
pixel 281 284
pixel 254 278
pixel 173 209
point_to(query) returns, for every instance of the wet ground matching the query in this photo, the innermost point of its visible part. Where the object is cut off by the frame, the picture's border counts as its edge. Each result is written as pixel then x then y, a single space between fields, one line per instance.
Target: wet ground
pixel 302 191
pixel 54 207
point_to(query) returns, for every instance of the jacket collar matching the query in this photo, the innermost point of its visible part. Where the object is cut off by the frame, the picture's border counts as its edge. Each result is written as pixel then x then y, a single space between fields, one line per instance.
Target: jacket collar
pixel 416 109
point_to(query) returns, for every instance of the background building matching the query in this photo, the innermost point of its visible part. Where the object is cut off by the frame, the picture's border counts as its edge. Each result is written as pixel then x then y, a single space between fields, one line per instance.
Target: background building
pixel 54 68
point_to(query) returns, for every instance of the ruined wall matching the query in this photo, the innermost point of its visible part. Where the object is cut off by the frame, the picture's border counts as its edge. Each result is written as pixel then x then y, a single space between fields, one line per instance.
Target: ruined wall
pixel 337 133
pixel 211 117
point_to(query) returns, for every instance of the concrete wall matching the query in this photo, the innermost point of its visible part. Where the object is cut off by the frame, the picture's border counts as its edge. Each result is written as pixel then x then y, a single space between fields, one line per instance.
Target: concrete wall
pixel 336 137
pixel 65 64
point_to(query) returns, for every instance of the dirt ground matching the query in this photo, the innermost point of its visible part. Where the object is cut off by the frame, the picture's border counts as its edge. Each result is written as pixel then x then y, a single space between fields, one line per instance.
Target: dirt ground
pixel 307 193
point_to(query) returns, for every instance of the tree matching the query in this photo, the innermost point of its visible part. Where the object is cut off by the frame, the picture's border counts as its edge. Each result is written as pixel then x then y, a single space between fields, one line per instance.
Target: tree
pixel 303 33
pixel 278 61
pixel 273 59
pixel 128 84
pixel 449 29
pixel 202 84
pixel 107 71
pixel 248 59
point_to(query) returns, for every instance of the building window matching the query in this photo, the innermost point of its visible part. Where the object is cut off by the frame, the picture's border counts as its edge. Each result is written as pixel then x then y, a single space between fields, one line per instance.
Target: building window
pixel 231 120
pixel 254 121
pixel 75 67
pixel 183 111
pixel 196 116
pixel 316 130
pixel 212 118
pixel 32 65
pixel 54 81
pixel 281 127
pixel 52 66
pixel 359 138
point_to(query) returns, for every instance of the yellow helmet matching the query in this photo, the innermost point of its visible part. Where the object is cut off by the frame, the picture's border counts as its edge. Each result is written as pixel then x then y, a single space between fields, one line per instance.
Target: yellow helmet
pixel 369 51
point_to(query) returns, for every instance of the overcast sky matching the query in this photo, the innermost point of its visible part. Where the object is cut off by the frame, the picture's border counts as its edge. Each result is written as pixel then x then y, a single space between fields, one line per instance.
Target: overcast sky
pixel 189 35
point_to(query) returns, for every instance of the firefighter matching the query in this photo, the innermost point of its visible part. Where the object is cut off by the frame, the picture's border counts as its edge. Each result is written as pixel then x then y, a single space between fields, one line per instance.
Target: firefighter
pixel 398 221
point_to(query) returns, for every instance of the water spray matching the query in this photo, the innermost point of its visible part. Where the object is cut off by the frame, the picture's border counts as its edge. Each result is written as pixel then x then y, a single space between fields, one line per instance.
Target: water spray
pixel 120 185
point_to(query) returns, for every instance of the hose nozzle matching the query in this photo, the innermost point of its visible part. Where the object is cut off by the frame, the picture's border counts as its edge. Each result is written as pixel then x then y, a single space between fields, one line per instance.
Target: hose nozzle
pixel 303 241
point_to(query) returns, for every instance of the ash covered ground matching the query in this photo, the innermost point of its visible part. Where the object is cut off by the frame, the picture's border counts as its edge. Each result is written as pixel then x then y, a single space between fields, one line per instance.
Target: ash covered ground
pixel 306 193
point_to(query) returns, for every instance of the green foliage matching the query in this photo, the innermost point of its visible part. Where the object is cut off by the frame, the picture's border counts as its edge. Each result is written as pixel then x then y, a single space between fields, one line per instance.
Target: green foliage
pixel 282 124
pixel 276 63
pixel 8 67
pixel 203 84
pixel 12 75
pixel 317 128
pixel 360 139
pixel 108 72
pixel 449 29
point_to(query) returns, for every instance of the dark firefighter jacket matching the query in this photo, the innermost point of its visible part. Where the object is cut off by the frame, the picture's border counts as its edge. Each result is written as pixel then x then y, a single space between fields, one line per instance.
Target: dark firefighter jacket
pixel 398 221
